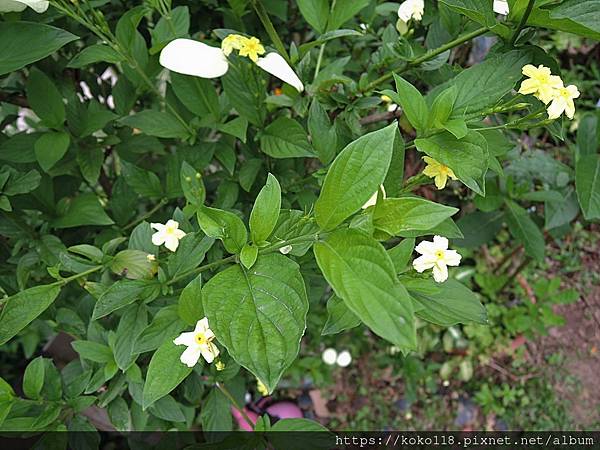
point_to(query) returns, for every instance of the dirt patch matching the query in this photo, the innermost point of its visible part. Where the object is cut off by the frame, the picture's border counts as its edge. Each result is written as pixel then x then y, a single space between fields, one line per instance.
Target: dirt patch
pixel 578 341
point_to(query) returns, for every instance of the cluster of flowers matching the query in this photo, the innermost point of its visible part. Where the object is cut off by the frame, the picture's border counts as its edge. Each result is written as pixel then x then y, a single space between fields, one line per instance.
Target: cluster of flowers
pixel 549 89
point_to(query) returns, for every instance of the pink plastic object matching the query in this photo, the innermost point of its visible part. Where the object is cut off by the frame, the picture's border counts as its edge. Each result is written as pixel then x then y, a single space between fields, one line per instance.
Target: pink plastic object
pixel 280 410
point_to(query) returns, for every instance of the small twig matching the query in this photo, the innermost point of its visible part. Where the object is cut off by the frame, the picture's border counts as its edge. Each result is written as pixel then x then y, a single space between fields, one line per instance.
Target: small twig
pixel 381 117
pixel 227 394
pixel 15 99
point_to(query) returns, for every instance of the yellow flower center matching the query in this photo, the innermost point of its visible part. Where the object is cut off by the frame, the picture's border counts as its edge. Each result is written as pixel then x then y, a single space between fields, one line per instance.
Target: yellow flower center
pixel 170 229
pixel 201 339
pixel 439 254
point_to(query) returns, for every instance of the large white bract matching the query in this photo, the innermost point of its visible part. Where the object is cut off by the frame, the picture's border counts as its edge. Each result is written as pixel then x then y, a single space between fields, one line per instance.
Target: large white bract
pixel 190 57
pixel 39 6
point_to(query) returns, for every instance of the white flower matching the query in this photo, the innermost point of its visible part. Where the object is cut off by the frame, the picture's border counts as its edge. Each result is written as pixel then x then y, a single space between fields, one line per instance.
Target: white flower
pixel 168 234
pixel 191 57
pixel 285 250
pixel 39 6
pixel 329 356
pixel 373 200
pixel 411 9
pixel 198 342
pixel 563 102
pixel 501 7
pixel 436 256
pixel 344 359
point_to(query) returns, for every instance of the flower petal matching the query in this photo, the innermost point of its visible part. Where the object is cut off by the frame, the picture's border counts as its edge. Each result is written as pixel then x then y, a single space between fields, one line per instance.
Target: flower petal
pixel 158 238
pixel 425 248
pixel 39 6
pixel 423 263
pixel 556 108
pixel 440 242
pixel 209 352
pixel 440 272
pixel 452 258
pixel 158 226
pixel 501 7
pixel 277 66
pixel 185 339
pixel 191 57
pixel 190 356
pixel 171 242
pixel 201 325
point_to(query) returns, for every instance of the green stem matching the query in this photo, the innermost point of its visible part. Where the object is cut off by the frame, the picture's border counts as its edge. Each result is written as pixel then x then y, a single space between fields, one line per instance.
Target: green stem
pixel 145 216
pixel 319 60
pixel 263 15
pixel 203 268
pixel 77 276
pixel 427 56
pixel 522 22
pixel 227 394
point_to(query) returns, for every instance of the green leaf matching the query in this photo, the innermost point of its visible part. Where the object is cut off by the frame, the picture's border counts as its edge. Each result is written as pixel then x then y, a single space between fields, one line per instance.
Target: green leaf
pixel 133 264
pixel 50 148
pixel 285 138
pixel 339 317
pixel 483 85
pixel 442 106
pixel 189 254
pixel 316 13
pixel 132 323
pixel 401 253
pixel 33 379
pixel 582 12
pixel 356 173
pixel 588 134
pixel 243 85
pixel 265 213
pixel 190 307
pixel 197 94
pixel 467 157
pixel 165 373
pixel 118 413
pixel 479 228
pixel 223 225
pixel 259 315
pixel 94 54
pixel 525 230
pixel 27 42
pixel 90 162
pixel 248 255
pixel 445 304
pixel 412 102
pixel 21 183
pixel 164 326
pixel 167 408
pixel 587 182
pixel 344 10
pixel 156 123
pixel 236 127
pixel 478 10
pixel 363 275
pixel 44 99
pixel 397 215
pixel 84 209
pixel 143 182
pixel 93 351
pixel 22 308
pixel 123 293
pixel 192 185
pixel 216 412
pixel 323 135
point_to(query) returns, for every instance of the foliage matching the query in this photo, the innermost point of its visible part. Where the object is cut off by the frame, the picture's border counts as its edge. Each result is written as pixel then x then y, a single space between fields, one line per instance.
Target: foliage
pixel 274 202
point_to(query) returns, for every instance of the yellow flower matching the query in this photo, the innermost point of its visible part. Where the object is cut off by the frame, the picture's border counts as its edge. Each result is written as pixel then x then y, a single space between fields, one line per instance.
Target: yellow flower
pixel 232 42
pixel 563 102
pixel 541 83
pixel 438 171
pixel 252 48
pixel 220 365
pixel 261 388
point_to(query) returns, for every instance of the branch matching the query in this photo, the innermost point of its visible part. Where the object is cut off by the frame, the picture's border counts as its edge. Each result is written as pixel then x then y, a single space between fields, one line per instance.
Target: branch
pixel 381 117
pixel 15 99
